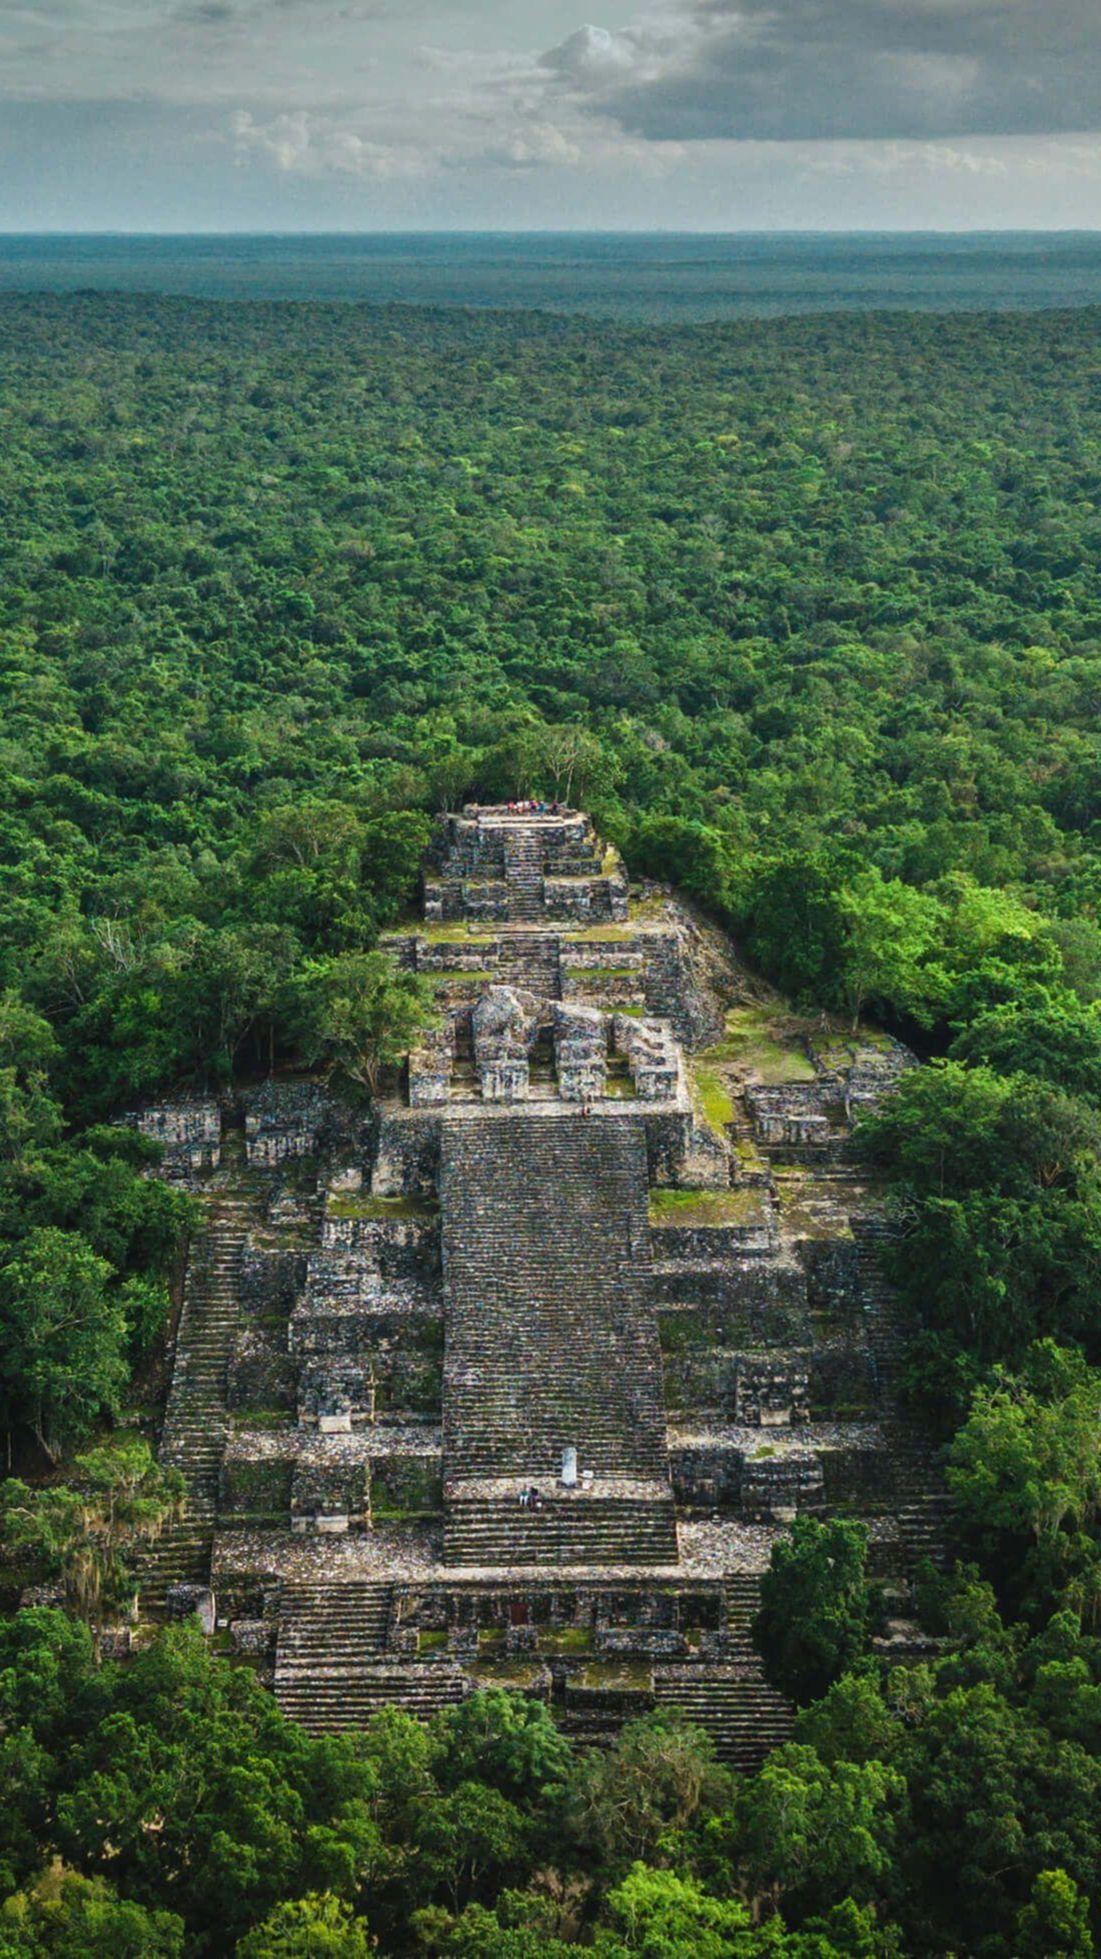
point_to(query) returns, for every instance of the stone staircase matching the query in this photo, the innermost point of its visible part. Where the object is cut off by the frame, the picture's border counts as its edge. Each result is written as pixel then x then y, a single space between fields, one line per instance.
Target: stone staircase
pixel 196 1419
pixel 331 1670
pixel 489 1532
pixel 328 1633
pixel 731 1699
pixel 921 1503
pixel 551 1336
pixel 921 1506
pixel 338 1702
pixel 743 1715
pixel 741 1603
pixel 524 875
pixel 882 1314
pixel 530 960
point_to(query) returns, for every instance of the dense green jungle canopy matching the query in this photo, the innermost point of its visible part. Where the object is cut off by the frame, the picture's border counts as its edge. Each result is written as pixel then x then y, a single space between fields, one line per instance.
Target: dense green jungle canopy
pixel 810 614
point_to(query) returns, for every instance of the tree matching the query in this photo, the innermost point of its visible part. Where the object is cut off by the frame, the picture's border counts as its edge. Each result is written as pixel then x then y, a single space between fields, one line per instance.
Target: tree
pixel 29 1114
pixel 239 1800
pixel 817 1609
pixel 1001 1211
pixel 659 1776
pixel 1055 1923
pixel 1058 1041
pixel 506 1740
pixel 793 922
pixel 1024 1470
pixel 317 1926
pixel 889 932
pixel 566 757
pixel 357 1014
pixel 470 1839
pixel 808 1836
pixel 661 1915
pixel 62 1339
pixel 83 1533
pixel 68 1916
pixel 851 1723
pixel 994 1801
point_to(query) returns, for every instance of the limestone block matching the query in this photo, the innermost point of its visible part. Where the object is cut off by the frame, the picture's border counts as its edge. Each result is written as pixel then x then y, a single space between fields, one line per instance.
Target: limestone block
pixel 250 1637
pixel 770 1391
pixel 187 1601
pixel 775 1489
pixel 188 1130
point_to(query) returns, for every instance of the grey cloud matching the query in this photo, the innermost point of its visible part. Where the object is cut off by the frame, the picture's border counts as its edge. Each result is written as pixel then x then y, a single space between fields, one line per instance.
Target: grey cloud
pixel 207 13
pixel 786 70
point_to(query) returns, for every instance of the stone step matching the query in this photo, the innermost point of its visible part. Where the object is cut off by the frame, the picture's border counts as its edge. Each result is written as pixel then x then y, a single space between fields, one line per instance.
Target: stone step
pixel 331 1626
pixel 486 1532
pixel 349 1700
pixel 742 1714
pixel 551 1333
pixel 197 1419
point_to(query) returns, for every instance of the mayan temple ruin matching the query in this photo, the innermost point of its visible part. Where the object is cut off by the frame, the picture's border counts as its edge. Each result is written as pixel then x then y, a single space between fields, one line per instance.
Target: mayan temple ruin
pixel 513 1376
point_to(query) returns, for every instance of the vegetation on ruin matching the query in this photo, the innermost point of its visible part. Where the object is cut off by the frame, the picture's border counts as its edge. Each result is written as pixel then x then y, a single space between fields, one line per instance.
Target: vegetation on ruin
pixel 810 613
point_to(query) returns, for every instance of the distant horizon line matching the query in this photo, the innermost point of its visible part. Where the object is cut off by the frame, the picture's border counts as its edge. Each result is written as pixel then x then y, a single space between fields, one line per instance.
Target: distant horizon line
pixel 549 231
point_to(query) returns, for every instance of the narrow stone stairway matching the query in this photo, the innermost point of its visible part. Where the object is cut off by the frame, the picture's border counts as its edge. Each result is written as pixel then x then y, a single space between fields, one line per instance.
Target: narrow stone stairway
pixel 329 1632
pixel 524 875
pixel 530 960
pixel 196 1419
pixel 577 1530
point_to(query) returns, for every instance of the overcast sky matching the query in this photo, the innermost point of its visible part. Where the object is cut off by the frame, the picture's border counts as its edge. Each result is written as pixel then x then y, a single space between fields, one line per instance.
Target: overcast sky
pixel 695 114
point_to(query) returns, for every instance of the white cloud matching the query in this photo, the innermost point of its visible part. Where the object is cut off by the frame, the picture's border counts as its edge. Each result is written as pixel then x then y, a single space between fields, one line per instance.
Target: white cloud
pixel 535 143
pixel 305 145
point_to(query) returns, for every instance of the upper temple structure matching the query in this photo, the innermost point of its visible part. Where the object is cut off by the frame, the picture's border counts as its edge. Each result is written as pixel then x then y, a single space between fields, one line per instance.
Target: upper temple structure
pixel 514 1376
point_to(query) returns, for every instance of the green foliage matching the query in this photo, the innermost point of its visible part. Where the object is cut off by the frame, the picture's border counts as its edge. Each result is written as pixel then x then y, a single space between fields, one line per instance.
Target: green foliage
pixel 62 1339
pixel 355 1015
pixel 650 1785
pixel 662 1916
pixel 1058 1041
pixel 315 1927
pixel 817 1610
pixel 812 616
pixel 83 1534
pixel 1025 1472
pixel 1055 1922
pixel 76 1917
pixel 506 1740
pixel 1001 1206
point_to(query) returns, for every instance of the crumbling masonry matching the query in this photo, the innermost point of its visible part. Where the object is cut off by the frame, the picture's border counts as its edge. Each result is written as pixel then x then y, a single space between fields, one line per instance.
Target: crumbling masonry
pixel 514 1377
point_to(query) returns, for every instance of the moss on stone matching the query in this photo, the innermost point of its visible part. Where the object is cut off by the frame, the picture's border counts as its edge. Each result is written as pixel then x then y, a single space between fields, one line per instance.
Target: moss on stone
pixel 572 1639
pixel 456 975
pixel 715 1098
pixel 619 1676
pixel 765 1043
pixel 353 1205
pixel 707 1207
